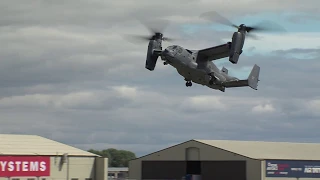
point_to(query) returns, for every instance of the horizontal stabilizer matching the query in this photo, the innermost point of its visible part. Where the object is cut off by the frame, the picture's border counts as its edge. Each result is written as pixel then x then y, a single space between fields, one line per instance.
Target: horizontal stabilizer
pixel 252 80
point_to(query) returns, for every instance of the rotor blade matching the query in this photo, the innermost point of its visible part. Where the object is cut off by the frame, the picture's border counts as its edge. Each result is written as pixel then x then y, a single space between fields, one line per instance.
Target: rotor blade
pixel 267 26
pixel 154 25
pixel 142 38
pixel 214 16
pixel 136 38
pixel 169 39
pixel 252 36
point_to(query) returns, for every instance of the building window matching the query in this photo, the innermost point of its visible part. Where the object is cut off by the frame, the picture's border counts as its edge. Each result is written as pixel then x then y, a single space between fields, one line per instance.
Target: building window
pixel 74 178
pixel 43 179
pixel 88 179
pixel 111 175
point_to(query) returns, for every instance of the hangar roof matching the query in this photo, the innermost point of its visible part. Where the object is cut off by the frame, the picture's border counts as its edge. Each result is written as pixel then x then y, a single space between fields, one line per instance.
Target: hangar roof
pixel 268 150
pixel 12 144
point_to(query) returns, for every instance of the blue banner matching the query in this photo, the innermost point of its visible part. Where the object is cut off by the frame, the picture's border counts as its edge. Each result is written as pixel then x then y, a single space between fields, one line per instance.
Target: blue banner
pixel 294 169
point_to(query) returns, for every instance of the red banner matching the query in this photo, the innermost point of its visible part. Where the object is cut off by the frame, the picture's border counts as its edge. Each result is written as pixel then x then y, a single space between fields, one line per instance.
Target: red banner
pixel 27 166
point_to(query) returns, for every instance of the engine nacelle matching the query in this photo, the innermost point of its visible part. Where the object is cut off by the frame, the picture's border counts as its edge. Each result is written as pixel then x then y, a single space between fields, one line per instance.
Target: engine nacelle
pixel 238 39
pixel 152 56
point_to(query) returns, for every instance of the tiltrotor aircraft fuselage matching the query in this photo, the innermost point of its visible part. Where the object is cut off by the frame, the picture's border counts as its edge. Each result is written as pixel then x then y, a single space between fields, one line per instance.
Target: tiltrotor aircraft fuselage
pixel 197 65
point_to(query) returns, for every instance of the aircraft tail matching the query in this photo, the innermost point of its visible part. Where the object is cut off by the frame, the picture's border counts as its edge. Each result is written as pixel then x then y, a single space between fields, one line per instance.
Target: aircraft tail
pixel 253 77
pixel 252 80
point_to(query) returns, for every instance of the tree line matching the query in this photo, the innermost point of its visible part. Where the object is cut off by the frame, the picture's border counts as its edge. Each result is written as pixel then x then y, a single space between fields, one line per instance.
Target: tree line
pixel 116 158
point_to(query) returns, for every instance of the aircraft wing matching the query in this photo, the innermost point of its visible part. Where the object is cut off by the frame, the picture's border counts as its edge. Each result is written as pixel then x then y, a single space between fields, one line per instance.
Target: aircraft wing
pixel 214 53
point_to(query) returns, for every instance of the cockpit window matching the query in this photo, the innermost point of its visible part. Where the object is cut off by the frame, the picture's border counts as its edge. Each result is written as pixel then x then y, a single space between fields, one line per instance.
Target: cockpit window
pixel 174 47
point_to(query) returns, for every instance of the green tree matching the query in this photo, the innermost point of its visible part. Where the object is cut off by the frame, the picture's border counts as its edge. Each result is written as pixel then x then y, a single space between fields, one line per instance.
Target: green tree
pixel 116 158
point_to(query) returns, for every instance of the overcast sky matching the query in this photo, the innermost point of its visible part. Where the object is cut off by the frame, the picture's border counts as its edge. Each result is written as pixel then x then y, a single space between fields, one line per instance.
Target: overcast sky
pixel 68 74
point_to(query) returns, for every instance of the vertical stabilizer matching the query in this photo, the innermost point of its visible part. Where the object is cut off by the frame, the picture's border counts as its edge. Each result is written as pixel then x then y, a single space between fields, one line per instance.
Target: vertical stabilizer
pixel 253 78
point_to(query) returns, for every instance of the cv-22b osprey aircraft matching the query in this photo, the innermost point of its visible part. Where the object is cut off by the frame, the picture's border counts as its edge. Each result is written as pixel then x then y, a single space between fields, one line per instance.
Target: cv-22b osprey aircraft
pixel 197 65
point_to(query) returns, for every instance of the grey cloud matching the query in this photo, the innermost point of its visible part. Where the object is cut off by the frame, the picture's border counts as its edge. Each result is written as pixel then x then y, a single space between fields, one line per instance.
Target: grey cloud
pixel 52 13
pixel 60 62
pixel 147 125
pixel 302 18
pixel 297 50
pixel 106 13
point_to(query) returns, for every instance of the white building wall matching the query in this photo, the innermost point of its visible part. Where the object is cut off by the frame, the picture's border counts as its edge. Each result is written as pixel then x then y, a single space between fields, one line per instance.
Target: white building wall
pixel 76 168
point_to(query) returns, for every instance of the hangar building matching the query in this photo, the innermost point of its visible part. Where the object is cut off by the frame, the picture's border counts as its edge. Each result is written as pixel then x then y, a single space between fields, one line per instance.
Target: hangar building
pixel 230 160
pixel 30 157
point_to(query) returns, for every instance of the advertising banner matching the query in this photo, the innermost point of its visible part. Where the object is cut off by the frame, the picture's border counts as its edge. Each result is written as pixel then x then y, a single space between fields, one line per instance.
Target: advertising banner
pixel 27 166
pixel 293 169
